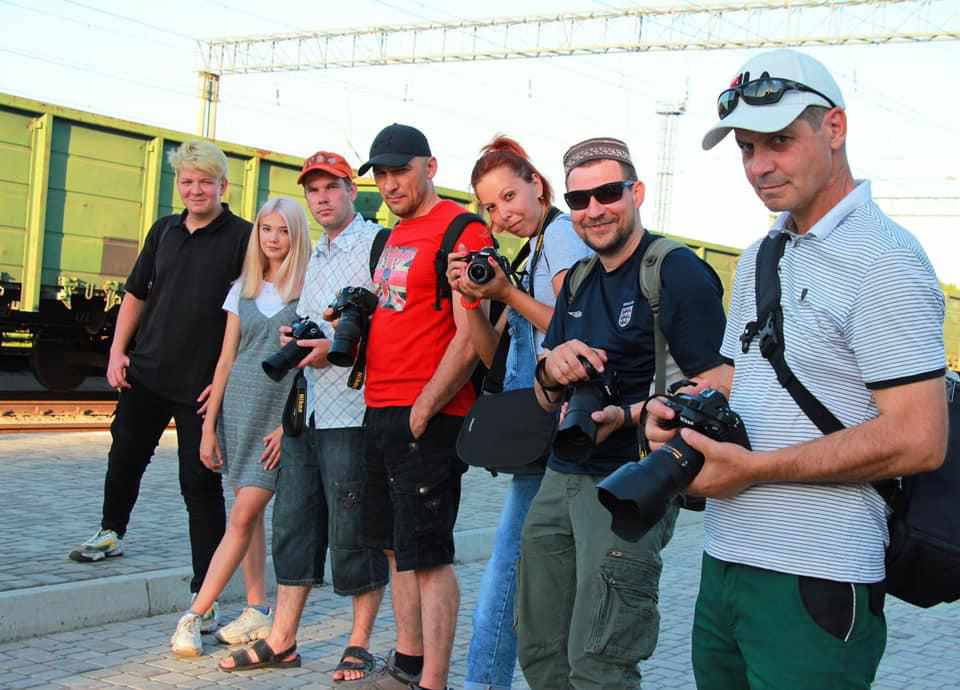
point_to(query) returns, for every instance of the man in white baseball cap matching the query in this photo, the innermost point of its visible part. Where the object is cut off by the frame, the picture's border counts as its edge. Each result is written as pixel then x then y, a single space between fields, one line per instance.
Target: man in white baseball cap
pixel 791 588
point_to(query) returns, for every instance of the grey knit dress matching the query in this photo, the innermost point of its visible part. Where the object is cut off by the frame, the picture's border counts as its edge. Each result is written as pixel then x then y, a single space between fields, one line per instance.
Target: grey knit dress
pixel 253 403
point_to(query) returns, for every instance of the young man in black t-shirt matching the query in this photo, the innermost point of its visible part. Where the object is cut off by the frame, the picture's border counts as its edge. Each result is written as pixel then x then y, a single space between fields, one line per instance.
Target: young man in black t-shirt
pixel 174 305
pixel 586 599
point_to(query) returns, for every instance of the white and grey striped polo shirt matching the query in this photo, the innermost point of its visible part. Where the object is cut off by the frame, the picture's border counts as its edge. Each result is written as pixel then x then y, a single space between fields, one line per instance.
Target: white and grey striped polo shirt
pixel 862 310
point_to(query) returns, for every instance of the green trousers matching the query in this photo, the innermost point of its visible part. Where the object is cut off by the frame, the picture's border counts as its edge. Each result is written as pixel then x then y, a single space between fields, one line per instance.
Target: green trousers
pixel 586 604
pixel 756 629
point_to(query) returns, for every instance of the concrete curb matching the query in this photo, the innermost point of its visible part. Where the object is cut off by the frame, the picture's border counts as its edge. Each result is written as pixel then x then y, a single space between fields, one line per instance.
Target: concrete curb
pixel 58 608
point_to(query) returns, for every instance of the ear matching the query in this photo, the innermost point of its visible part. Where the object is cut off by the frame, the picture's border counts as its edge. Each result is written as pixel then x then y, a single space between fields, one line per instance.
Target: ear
pixel 353 191
pixel 431 167
pixel 639 193
pixel 538 186
pixel 223 189
pixel 835 124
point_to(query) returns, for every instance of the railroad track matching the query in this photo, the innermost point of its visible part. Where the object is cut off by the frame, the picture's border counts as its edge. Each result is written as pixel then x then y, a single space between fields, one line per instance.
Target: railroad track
pixel 25 416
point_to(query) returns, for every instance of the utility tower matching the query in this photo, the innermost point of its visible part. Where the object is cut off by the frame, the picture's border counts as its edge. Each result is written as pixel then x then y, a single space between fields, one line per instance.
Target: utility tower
pixel 669 118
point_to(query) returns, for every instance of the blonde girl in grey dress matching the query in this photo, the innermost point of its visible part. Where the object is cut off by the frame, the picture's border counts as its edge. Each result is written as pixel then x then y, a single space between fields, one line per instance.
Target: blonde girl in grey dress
pixel 241 430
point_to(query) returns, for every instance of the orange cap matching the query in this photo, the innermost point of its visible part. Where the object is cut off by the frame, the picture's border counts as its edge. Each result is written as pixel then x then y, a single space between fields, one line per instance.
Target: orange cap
pixel 325 161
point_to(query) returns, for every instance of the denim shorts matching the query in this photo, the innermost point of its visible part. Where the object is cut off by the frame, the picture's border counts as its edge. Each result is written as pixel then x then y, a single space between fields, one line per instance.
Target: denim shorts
pixel 318 504
pixel 412 492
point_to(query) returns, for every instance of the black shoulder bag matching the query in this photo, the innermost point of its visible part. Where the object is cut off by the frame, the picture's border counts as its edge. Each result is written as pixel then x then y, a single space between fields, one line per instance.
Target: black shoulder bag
pixel 508 431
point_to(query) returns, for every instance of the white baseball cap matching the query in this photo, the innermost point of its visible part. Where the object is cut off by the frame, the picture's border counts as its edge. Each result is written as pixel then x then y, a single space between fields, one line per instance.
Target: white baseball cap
pixel 778 64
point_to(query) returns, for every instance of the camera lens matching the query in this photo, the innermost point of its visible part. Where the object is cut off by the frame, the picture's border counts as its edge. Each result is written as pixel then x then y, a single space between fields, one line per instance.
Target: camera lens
pixel 479 271
pixel 346 339
pixel 638 493
pixel 277 365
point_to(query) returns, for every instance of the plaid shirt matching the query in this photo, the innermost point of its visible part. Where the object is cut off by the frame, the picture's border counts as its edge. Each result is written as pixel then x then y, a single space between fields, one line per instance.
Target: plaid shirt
pixel 344 262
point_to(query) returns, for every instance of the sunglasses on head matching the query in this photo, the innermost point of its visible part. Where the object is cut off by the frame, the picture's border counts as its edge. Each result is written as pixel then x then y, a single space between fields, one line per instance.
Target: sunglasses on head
pixel 763 91
pixel 608 193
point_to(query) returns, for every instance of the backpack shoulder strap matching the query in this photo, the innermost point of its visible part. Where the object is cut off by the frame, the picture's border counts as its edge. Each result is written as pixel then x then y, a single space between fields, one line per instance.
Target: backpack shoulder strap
pixel 577 274
pixel 769 329
pixel 376 249
pixel 449 242
pixel 650 287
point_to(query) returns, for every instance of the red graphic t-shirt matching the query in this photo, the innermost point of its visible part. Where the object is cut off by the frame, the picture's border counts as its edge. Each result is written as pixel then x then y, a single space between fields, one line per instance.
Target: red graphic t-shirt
pixel 408 337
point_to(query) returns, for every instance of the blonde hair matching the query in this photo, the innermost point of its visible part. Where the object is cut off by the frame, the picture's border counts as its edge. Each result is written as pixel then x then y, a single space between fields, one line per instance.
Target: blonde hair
pixel 289 277
pixel 201 155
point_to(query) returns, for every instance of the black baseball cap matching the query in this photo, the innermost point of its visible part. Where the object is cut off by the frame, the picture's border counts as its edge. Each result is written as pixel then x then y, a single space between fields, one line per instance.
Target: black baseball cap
pixel 394 146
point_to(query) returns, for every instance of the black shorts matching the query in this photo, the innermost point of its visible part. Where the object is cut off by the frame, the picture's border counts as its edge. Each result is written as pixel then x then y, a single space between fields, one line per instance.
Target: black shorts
pixel 412 491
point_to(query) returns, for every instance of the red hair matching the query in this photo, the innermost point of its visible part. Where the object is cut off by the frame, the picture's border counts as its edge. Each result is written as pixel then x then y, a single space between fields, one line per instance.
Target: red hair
pixel 504 151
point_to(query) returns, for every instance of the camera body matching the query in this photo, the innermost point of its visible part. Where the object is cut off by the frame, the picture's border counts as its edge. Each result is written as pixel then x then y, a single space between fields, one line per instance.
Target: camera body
pixel 638 493
pixel 277 365
pixel 353 306
pixel 479 269
pixel 577 434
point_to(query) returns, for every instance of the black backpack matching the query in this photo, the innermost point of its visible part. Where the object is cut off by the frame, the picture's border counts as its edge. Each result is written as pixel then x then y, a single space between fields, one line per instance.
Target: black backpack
pixel 923 558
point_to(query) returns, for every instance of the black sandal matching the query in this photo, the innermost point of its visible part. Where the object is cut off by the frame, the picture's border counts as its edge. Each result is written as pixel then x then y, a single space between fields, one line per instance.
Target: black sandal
pixel 266 658
pixel 367 663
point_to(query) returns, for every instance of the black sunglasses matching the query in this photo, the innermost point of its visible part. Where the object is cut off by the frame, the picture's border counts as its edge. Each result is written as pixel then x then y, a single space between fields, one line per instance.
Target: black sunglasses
pixel 608 193
pixel 763 91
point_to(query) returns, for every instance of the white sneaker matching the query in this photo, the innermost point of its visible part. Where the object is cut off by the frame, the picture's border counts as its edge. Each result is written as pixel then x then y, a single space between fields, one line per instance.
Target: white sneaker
pixel 249 626
pixel 209 621
pixel 186 641
pixel 104 544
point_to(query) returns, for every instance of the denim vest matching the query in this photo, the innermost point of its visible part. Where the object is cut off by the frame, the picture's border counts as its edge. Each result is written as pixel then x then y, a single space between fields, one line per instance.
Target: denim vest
pixel 521 357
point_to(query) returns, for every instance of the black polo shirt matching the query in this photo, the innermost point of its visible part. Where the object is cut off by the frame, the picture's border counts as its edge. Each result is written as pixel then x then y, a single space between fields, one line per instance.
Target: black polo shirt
pixel 610 312
pixel 184 278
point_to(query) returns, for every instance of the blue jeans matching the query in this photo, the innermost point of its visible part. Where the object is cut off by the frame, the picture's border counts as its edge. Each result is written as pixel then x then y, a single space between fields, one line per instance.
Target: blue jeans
pixel 493 646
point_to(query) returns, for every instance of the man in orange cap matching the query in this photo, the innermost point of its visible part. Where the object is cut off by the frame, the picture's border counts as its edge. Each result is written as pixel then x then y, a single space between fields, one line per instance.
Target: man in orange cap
pixel 320 476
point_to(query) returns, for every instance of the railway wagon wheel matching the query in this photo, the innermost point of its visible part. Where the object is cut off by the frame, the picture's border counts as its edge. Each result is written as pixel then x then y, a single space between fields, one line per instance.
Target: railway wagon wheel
pixel 54 366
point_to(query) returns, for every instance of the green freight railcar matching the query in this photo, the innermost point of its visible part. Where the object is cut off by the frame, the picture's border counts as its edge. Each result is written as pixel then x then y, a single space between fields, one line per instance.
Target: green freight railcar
pixel 78 193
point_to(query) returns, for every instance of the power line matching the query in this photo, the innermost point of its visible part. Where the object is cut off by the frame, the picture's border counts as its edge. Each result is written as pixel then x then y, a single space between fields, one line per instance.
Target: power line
pixel 134 20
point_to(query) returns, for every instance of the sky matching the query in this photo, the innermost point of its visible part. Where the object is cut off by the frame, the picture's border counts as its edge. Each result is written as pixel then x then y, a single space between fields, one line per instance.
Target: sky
pixel 138 61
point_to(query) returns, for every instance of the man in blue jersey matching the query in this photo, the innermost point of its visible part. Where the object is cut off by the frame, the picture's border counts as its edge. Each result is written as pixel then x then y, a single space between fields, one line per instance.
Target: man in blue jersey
pixel 791 592
pixel 571 562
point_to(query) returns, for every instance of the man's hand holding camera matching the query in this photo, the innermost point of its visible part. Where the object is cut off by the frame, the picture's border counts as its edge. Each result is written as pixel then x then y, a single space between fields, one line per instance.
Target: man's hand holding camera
pixel 562 365
pixel 318 349
pixel 728 468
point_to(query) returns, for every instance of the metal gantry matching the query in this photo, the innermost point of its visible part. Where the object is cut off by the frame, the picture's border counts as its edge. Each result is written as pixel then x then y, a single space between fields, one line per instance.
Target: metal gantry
pixel 686 26
pixel 689 26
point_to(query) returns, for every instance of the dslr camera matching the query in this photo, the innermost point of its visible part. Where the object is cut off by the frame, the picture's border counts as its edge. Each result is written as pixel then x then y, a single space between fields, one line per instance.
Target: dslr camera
pixel 638 493
pixel 577 433
pixel 479 269
pixel 277 365
pixel 353 306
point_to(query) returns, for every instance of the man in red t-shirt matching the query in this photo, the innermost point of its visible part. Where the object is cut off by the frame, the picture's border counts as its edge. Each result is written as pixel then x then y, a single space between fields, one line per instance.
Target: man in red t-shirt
pixel 417 390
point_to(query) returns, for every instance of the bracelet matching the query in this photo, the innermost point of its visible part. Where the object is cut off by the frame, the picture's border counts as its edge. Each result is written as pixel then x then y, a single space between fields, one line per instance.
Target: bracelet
pixel 469 305
pixel 628 422
pixel 539 373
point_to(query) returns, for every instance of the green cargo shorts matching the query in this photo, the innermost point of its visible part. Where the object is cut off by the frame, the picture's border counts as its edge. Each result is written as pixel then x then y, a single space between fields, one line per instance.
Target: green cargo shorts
pixel 756 629
pixel 586 604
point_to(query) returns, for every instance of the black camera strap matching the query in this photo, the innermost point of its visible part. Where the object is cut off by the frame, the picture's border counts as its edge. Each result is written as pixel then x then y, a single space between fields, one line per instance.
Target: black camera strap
pixel 769 329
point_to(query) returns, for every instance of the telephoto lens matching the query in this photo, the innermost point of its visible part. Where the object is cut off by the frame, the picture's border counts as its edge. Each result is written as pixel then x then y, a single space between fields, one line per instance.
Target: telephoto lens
pixel 277 365
pixel 638 493
pixel 354 306
pixel 577 433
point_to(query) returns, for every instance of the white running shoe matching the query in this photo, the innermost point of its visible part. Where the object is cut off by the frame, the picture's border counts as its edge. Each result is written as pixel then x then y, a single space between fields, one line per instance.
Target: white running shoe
pixel 250 625
pixel 186 641
pixel 210 621
pixel 104 544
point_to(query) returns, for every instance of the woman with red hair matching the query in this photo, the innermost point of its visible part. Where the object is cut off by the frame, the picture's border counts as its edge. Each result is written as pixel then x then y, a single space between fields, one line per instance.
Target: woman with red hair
pixel 518 200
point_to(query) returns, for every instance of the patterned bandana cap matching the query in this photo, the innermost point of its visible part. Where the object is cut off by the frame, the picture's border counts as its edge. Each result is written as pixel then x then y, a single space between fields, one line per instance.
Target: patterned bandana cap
pixel 596 149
